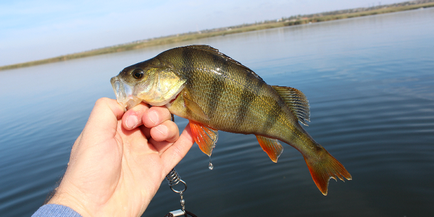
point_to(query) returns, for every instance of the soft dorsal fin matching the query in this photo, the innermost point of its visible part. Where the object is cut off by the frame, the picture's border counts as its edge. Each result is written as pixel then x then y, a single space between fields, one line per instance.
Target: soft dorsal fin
pixel 296 101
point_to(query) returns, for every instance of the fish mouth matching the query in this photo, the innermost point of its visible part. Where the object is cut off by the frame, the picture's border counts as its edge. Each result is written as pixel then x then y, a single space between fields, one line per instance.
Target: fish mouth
pixel 124 93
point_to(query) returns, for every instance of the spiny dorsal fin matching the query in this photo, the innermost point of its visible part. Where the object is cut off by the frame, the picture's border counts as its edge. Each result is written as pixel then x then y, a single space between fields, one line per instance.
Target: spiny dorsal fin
pixel 203 47
pixel 215 51
pixel 296 101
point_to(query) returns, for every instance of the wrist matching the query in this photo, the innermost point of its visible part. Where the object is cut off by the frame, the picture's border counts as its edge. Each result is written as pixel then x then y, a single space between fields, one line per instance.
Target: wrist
pixel 66 199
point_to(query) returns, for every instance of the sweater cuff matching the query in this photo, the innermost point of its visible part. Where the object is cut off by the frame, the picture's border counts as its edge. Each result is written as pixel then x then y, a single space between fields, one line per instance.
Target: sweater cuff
pixel 55 210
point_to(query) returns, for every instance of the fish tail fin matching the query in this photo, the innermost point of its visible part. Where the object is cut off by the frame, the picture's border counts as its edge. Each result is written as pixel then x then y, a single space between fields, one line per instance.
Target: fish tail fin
pixel 324 167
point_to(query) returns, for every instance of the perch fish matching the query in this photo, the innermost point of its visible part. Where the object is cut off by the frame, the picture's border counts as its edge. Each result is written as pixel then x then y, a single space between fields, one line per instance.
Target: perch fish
pixel 215 92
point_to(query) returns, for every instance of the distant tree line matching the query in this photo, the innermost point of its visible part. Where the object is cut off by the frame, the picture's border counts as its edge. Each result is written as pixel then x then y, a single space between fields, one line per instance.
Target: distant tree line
pixel 284 21
pixel 301 19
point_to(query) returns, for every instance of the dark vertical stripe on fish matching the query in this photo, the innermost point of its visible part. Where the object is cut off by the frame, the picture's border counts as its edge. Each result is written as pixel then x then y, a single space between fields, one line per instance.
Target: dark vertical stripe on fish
pixel 188 68
pixel 250 92
pixel 187 65
pixel 217 84
pixel 272 116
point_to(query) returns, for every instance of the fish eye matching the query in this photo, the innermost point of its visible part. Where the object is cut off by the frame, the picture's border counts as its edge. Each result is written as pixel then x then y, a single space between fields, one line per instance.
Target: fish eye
pixel 138 73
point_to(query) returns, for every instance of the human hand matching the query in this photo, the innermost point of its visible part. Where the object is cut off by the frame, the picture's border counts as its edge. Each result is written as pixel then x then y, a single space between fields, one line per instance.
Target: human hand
pixel 120 159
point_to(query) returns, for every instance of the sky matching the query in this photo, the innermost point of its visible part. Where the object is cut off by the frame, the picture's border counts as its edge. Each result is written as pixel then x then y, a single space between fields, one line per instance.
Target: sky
pixel 39 29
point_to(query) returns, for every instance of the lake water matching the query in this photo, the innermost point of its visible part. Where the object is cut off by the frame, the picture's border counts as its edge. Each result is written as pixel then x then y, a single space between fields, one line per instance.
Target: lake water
pixel 370 84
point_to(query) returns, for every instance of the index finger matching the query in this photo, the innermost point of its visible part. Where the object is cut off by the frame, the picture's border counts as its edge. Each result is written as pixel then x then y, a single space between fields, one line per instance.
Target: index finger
pixel 155 116
pixel 174 154
pixel 133 117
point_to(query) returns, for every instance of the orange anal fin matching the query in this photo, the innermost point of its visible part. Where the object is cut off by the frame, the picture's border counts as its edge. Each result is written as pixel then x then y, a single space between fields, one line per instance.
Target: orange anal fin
pixel 204 136
pixel 324 168
pixel 271 146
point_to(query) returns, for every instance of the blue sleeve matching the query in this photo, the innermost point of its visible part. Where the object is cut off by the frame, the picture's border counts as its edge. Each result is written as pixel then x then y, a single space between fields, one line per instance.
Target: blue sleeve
pixel 55 210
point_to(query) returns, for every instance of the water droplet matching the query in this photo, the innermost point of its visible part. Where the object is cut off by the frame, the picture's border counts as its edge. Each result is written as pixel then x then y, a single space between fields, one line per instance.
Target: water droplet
pixel 210 166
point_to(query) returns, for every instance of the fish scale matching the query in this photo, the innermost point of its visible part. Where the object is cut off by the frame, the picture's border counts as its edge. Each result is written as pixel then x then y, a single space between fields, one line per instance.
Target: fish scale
pixel 234 99
pixel 215 92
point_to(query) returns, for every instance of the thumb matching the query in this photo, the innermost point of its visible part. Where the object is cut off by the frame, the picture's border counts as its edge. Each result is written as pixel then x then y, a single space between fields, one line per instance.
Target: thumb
pixel 104 117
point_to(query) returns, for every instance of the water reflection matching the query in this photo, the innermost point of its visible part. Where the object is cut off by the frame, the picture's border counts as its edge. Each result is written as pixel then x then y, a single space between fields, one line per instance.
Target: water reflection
pixel 369 83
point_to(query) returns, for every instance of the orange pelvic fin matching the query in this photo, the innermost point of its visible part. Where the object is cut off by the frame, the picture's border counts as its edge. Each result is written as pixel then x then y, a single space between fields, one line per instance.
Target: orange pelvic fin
pixel 204 136
pixel 271 146
pixel 325 167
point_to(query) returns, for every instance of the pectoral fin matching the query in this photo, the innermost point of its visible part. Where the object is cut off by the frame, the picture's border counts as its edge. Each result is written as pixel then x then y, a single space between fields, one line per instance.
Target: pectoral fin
pixel 271 146
pixel 193 106
pixel 204 136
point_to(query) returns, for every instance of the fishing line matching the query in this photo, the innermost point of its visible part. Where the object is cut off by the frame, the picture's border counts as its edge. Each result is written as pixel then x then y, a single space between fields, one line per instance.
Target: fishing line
pixel 174 179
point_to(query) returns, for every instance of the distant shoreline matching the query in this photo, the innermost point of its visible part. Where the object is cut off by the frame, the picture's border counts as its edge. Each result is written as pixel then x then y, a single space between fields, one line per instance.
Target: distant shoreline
pixel 290 21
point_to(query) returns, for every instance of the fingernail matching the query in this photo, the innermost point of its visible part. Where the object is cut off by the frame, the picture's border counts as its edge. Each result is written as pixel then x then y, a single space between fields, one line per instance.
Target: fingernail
pixel 153 117
pixel 132 121
pixel 162 129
